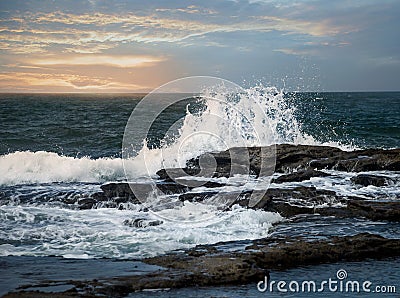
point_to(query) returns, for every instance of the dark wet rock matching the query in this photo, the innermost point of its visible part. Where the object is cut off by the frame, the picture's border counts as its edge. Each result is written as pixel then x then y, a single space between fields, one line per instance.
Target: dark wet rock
pixel 270 253
pixel 198 183
pixel 295 252
pixel 322 157
pixel 170 174
pixel 238 160
pixel 201 250
pixel 309 200
pixel 294 201
pixel 366 180
pixel 142 222
pixel 212 267
pixel 375 210
pixel 114 190
pixel 290 158
pixel 196 197
pixel 99 196
pixel 132 190
pixel 220 200
pixel 171 188
pixel 361 160
pixel 288 202
pixel 86 203
pixel 300 175
pixel 115 194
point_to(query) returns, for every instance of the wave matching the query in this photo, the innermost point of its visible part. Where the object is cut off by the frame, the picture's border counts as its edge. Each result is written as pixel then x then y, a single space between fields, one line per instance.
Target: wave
pixel 23 167
pixel 258 116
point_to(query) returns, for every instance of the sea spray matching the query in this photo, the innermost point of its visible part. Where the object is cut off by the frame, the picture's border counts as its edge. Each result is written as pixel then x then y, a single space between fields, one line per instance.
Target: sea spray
pixel 258 116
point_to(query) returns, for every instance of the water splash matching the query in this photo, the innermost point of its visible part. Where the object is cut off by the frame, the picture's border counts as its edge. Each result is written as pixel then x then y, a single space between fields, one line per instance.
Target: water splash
pixel 257 116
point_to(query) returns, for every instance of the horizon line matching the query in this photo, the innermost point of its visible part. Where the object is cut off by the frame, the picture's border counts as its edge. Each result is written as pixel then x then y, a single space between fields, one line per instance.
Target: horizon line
pixel 142 92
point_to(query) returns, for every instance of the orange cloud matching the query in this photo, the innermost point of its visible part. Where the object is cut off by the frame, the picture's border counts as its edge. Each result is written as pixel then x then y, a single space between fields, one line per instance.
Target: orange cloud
pixel 313 28
pixel 62 82
pixel 108 60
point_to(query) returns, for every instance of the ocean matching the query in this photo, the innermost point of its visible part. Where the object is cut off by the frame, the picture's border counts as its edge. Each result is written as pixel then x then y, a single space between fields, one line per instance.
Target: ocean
pixel 57 149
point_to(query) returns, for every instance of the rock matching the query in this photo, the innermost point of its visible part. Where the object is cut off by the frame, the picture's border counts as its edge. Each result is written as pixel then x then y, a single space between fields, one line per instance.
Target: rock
pixel 196 197
pixel 292 157
pixel 273 254
pixel 123 190
pixel 288 202
pixel 300 175
pixel 198 183
pixel 171 188
pixel 361 161
pixel 305 200
pixel 297 252
pixel 375 210
pixel 289 158
pixel 142 222
pixel 170 174
pixel 201 250
pixel 294 201
pixel 366 180
pixel 120 190
pixel 99 196
pixel 86 203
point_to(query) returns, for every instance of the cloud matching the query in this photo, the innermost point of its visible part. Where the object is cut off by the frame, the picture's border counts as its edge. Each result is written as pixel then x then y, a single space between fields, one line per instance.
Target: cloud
pixel 191 9
pixel 313 48
pixel 107 60
pixel 98 32
pixel 318 28
pixel 70 82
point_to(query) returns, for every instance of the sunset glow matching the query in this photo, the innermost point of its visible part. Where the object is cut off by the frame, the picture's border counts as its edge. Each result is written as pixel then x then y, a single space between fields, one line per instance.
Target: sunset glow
pixel 117 46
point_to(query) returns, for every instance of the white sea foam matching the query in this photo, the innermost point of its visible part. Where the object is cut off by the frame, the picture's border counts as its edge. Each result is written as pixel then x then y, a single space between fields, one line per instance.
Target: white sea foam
pixel 101 232
pixel 42 167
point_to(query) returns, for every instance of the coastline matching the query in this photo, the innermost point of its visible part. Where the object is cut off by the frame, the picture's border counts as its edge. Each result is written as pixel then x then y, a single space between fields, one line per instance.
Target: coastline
pixel 246 262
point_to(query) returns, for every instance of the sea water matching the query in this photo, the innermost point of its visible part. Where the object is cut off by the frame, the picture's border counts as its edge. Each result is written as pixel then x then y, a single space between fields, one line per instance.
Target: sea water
pixel 59 146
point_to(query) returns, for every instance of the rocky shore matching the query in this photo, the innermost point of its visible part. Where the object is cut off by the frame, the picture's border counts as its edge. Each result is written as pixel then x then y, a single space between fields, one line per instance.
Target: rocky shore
pixel 208 265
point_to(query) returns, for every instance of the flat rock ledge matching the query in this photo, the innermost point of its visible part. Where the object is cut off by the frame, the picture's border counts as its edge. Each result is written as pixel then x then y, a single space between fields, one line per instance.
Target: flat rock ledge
pixel 208 266
pixel 288 159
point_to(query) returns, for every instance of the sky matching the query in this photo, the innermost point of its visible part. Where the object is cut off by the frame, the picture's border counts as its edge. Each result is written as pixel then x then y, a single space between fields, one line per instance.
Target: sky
pixel 136 46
